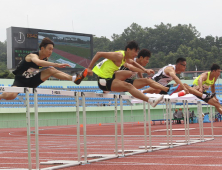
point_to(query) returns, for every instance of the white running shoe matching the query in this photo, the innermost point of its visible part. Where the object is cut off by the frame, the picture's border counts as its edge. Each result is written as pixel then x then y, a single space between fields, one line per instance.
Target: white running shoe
pixel 156 101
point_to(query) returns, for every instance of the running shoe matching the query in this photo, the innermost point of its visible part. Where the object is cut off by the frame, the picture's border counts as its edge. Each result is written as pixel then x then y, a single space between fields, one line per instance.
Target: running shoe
pixel 80 76
pixel 156 101
pixel 173 89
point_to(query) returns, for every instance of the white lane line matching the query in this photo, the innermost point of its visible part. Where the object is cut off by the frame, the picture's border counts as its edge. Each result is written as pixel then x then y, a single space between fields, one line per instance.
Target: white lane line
pixel 160 164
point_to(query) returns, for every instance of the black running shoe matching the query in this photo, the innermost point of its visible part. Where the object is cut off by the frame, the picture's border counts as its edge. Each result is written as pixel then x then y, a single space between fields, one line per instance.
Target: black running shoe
pixel 80 76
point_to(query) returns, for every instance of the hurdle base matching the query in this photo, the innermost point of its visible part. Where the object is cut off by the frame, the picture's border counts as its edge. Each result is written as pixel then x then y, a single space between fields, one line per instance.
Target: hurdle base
pixel 171 145
pixel 132 152
pixel 154 148
pixel 62 164
pixel 100 157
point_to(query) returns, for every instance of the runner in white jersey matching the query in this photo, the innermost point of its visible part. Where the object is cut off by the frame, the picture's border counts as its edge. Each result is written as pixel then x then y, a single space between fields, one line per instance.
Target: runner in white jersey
pixel 168 73
pixel 161 77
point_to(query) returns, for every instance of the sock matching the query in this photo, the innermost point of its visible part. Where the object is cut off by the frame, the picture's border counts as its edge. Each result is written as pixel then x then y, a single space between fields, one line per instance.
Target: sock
pixel 204 96
pixel 74 78
pixel 150 100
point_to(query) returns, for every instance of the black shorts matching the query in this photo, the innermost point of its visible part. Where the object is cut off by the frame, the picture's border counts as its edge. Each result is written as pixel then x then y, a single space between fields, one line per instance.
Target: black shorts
pixel 163 92
pixel 206 99
pixel 32 82
pixel 107 83
pixel 129 81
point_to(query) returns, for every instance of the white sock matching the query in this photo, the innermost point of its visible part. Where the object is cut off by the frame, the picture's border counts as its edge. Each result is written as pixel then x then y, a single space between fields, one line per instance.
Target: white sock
pixel 73 78
pixel 150 100
pixel 204 96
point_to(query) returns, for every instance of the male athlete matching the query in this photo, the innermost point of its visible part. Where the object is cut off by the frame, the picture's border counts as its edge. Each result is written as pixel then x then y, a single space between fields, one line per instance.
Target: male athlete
pixel 28 74
pixel 110 78
pixel 207 80
pixel 168 73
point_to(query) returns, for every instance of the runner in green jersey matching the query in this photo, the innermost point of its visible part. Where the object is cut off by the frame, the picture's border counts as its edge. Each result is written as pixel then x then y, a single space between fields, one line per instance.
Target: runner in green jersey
pixel 207 80
pixel 109 78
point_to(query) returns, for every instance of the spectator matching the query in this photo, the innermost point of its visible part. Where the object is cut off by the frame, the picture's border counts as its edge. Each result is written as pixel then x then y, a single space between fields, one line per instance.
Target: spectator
pixel 175 114
pixel 192 115
pixel 179 116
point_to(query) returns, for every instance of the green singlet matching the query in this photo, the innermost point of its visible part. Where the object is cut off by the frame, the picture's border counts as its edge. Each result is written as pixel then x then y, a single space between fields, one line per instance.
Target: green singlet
pixel 106 67
pixel 207 83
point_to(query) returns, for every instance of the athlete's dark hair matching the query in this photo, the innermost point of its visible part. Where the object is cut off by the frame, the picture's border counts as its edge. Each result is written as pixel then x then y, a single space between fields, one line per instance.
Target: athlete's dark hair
pixel 132 45
pixel 180 60
pixel 144 53
pixel 214 67
pixel 45 42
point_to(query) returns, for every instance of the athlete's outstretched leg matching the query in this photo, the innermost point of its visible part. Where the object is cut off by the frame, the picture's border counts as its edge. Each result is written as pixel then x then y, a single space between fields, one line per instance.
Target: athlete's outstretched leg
pixel 141 82
pixel 120 86
pixel 8 95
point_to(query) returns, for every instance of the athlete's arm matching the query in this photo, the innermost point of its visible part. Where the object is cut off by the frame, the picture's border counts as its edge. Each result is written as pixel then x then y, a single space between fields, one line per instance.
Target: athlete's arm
pixel 134 69
pixel 171 72
pixel 202 78
pixel 35 59
pixel 140 75
pixel 135 65
pixel 116 57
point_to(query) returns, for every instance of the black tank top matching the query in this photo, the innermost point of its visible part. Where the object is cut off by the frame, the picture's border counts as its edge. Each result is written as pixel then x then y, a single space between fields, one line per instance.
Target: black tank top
pixel 27 69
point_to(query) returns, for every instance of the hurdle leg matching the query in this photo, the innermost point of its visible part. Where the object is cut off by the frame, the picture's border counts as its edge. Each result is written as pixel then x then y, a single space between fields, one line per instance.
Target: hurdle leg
pixel 28 128
pixel 170 117
pixel 167 123
pixel 84 126
pixel 144 119
pixel 188 123
pixel 211 116
pixel 36 128
pixel 116 132
pixel 149 119
pixel 122 127
pixel 77 125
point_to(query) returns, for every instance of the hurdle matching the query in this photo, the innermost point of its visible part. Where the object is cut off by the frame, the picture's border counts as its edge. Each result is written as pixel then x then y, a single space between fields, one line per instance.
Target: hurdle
pixel 100 157
pixel 37 91
pixel 188 140
pixel 62 163
pixel 26 91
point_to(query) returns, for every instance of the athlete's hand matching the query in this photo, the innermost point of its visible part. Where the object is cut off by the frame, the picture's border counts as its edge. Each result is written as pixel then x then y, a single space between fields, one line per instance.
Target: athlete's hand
pixel 90 72
pixel 186 90
pixel 63 65
pixel 201 89
pixel 149 71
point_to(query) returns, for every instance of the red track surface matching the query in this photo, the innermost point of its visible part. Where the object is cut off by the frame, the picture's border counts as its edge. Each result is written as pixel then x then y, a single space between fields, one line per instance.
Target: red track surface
pixel 59 143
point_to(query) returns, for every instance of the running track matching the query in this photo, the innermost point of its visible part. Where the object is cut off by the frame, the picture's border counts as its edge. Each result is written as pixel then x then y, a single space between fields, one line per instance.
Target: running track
pixel 59 143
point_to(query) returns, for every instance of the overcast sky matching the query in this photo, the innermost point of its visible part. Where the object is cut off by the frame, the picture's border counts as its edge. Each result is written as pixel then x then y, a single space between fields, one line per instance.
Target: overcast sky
pixel 105 17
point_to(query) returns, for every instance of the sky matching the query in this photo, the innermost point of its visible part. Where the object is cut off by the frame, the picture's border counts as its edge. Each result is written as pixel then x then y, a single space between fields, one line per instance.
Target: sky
pixel 108 17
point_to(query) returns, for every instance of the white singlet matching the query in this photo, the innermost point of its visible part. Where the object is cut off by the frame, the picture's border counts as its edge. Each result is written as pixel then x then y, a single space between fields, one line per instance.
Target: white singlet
pixel 161 76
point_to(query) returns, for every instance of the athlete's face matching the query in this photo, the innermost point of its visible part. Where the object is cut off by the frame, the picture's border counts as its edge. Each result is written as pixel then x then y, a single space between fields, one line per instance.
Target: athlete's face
pixel 182 66
pixel 143 61
pixel 47 51
pixel 217 73
pixel 132 53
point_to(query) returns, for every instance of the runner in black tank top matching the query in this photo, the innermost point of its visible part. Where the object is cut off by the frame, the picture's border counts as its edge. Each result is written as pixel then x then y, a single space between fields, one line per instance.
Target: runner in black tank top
pixel 28 73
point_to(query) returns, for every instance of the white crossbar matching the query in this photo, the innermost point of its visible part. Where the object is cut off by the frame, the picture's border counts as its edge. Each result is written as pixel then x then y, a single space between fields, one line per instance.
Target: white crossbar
pixel 55 92
pixel 14 89
pixel 91 94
